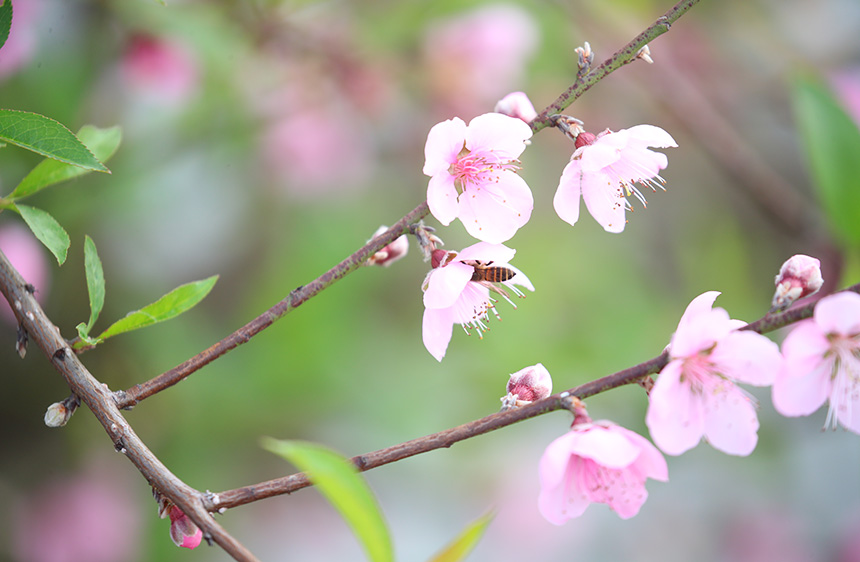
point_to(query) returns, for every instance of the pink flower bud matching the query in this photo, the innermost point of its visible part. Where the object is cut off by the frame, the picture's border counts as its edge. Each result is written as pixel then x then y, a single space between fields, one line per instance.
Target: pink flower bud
pixel 390 253
pixel 183 531
pixel 441 258
pixel 584 139
pixel 530 384
pixel 518 105
pixel 798 277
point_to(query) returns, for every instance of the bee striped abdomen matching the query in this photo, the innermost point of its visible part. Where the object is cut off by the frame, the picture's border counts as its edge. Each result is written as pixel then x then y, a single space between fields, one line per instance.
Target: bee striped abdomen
pixel 492 274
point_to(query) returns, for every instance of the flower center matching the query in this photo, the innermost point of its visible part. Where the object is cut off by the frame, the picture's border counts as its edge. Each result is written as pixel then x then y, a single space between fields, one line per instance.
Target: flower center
pixel 476 168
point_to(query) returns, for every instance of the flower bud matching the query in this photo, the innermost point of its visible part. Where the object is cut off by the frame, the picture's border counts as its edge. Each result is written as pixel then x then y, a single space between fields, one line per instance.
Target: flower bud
pixel 58 414
pixel 584 139
pixel 527 385
pixel 441 258
pixel 518 105
pixel 390 253
pixel 798 277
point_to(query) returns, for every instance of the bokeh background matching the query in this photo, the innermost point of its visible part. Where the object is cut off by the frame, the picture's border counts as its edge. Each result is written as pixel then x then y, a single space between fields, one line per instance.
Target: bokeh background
pixel 266 140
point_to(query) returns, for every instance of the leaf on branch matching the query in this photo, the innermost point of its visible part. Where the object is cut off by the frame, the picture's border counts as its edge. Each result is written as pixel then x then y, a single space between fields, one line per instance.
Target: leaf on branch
pixel 47 137
pixel 461 546
pixel 338 480
pixel 5 21
pixel 95 287
pixel 832 143
pixel 47 230
pixel 169 306
pixel 102 142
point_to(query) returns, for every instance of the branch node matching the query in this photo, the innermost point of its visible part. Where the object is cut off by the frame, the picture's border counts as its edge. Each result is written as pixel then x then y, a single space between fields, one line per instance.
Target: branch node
pixel 21 341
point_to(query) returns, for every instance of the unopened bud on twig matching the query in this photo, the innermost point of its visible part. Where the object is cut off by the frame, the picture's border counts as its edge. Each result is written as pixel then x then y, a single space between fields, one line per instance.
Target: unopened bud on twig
pixel 799 276
pixel 645 54
pixel 585 57
pixel 21 341
pixel 391 252
pixel 517 105
pixel 527 385
pixel 427 241
pixel 58 414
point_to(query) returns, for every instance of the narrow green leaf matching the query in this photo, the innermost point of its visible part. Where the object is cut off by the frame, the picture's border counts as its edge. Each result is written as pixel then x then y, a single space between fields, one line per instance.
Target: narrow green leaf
pixel 95 281
pixel 47 230
pixel 102 142
pixel 5 21
pixel 466 541
pixel 338 480
pixel 169 306
pixel 832 143
pixel 47 137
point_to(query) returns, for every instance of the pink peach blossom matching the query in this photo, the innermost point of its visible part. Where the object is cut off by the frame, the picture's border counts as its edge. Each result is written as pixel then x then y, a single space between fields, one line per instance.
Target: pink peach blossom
pixel 695 395
pixel 473 176
pixel 604 169
pixel 455 293
pixel 161 69
pixel 22 42
pixel 475 57
pixel 91 516
pixel 822 362
pixel 597 462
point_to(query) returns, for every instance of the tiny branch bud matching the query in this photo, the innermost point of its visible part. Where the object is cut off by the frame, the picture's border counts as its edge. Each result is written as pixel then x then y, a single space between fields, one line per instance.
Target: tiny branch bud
pixel 645 54
pixel 59 413
pixel 21 341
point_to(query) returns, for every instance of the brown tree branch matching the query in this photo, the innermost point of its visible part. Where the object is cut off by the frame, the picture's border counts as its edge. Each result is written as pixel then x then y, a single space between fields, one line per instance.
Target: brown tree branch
pixel 100 400
pixel 448 437
pixel 625 55
pixel 132 396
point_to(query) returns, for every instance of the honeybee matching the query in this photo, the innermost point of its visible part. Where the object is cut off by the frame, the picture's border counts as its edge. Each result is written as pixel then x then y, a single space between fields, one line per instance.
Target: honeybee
pixel 489 273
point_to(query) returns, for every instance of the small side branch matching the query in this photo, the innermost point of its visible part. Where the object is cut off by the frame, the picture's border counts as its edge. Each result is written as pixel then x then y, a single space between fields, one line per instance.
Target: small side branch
pixel 303 293
pixel 625 55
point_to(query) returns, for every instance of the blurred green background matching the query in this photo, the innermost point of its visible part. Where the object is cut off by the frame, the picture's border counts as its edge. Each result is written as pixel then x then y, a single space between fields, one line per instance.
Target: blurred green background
pixel 265 141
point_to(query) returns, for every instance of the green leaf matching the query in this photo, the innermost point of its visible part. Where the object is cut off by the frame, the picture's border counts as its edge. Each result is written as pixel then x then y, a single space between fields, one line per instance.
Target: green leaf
pixel 832 143
pixel 169 306
pixel 338 480
pixel 5 21
pixel 102 142
pixel 47 137
pixel 47 230
pixel 95 281
pixel 85 339
pixel 461 546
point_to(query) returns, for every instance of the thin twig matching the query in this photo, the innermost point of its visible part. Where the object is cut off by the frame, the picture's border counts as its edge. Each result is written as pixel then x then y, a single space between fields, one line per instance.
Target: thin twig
pixel 446 438
pixel 100 401
pixel 301 294
pixel 625 55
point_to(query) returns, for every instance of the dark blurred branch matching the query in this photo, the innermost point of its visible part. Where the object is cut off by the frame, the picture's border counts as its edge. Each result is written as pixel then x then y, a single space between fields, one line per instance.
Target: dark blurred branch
pixel 625 55
pixel 297 296
pixel 444 439
pixel 100 401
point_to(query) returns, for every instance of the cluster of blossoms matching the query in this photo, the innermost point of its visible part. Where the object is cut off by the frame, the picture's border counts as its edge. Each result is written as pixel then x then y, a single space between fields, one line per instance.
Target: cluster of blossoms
pixel 473 177
pixel 696 396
